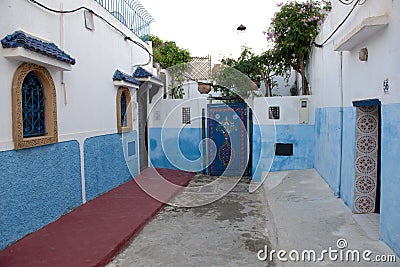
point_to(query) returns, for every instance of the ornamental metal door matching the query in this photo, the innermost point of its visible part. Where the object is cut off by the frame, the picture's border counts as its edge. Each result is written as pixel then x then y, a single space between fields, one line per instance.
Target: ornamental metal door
pixel 227 128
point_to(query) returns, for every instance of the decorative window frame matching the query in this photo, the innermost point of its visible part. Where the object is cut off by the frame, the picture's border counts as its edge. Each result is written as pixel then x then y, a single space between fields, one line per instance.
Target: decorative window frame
pixel 128 127
pixel 51 137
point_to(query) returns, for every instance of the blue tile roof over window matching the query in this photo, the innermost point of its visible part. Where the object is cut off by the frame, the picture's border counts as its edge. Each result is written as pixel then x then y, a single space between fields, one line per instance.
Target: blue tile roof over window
pixel 142 73
pixel 21 39
pixel 120 76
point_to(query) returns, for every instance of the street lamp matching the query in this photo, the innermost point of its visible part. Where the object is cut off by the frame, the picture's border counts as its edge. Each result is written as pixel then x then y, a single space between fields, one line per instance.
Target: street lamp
pixel 241 28
pixel 241 34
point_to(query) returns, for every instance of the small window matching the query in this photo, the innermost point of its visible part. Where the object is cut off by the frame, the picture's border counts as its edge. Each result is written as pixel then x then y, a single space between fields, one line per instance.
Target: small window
pixel 34 107
pixel 124 110
pixel 131 148
pixel 274 113
pixel 186 115
pixel 283 149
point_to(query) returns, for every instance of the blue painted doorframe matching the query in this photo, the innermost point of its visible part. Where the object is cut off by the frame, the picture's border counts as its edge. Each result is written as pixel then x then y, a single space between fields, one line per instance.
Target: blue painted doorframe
pixel 227 128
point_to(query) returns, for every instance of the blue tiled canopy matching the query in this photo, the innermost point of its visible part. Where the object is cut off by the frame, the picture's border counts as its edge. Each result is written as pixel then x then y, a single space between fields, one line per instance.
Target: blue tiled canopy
pixel 142 73
pixel 21 39
pixel 120 76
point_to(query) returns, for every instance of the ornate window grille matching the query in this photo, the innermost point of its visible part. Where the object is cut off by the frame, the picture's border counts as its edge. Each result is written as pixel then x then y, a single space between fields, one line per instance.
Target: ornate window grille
pixel 274 113
pixel 186 115
pixel 124 110
pixel 33 106
pixel 124 121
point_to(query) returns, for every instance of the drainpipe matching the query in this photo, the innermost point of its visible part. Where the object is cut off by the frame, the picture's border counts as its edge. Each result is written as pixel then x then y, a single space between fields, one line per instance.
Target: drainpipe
pixel 64 88
pixel 341 123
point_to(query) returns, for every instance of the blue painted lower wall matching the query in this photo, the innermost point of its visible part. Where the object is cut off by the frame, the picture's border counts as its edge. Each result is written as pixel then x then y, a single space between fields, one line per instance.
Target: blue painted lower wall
pixel 349 156
pixel 341 180
pixel 328 143
pixel 107 164
pixel 38 185
pixel 327 146
pixel 264 139
pixel 164 144
pixel 174 148
pixel 390 177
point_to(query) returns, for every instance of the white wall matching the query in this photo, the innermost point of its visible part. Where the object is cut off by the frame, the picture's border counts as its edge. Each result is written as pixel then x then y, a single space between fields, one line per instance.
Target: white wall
pixel 167 113
pixel 361 80
pixel 289 110
pixel 90 94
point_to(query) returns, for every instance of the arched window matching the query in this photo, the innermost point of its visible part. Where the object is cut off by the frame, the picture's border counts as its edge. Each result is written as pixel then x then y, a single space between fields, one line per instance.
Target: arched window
pixel 124 110
pixel 34 107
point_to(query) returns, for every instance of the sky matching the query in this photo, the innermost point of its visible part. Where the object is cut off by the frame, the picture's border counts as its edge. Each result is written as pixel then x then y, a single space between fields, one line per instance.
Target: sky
pixel 209 27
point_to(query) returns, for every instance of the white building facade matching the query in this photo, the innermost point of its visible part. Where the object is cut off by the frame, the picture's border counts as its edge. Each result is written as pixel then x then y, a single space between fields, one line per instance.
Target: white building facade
pixel 70 96
pixel 355 82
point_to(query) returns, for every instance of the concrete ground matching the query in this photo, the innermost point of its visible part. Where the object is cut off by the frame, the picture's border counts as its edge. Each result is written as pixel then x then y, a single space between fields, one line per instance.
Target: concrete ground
pixel 293 210
pixel 228 232
pixel 305 215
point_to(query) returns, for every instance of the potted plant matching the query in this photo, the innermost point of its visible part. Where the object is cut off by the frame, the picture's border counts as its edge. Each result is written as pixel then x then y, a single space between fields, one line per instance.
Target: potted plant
pixel 203 87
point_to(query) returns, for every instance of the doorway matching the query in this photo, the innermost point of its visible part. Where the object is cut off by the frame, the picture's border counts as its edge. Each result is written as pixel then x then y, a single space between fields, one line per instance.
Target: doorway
pixel 367 186
pixel 228 126
pixel 142 96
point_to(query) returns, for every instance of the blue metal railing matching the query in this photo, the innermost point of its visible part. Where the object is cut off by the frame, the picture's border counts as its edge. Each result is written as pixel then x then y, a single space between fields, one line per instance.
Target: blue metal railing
pixel 132 14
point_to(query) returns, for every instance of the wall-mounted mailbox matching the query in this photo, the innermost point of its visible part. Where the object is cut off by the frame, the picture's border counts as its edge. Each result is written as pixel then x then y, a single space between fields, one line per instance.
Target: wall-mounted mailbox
pixel 303 111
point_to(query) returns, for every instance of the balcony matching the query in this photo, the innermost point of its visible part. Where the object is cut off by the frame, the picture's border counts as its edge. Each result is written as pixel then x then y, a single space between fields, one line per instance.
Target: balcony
pixel 132 14
pixel 365 30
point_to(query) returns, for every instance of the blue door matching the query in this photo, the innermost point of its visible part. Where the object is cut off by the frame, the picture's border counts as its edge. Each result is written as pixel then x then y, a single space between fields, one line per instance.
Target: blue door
pixel 228 150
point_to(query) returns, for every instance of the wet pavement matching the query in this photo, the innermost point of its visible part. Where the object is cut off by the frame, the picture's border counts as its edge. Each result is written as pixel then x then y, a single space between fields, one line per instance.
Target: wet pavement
pixel 227 232
pixel 293 211
pixel 212 222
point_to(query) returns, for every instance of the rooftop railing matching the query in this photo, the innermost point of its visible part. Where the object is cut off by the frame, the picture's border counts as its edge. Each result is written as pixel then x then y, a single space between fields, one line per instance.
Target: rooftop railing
pixel 132 14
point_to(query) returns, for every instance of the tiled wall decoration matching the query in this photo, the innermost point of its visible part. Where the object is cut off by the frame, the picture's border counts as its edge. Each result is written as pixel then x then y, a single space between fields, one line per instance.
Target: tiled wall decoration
pixel 366 171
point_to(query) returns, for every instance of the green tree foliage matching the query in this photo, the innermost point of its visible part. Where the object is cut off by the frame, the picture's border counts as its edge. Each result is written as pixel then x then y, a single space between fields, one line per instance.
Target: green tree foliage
pixel 177 73
pixel 293 30
pixel 167 53
pixel 259 68
pixel 174 58
pixel 231 82
pixel 248 63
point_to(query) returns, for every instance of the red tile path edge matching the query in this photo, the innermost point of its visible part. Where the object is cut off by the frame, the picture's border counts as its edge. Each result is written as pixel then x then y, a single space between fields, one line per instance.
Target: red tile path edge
pixel 92 234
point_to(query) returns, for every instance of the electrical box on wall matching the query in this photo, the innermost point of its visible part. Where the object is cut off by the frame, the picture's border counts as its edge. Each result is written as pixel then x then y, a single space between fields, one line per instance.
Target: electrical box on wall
pixel 303 111
pixel 89 22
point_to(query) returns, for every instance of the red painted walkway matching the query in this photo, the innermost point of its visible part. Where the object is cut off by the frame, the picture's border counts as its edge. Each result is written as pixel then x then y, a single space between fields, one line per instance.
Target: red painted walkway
pixel 94 233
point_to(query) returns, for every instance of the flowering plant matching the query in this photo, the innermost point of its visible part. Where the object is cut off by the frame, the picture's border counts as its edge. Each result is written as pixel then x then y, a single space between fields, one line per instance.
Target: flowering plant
pixel 293 30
